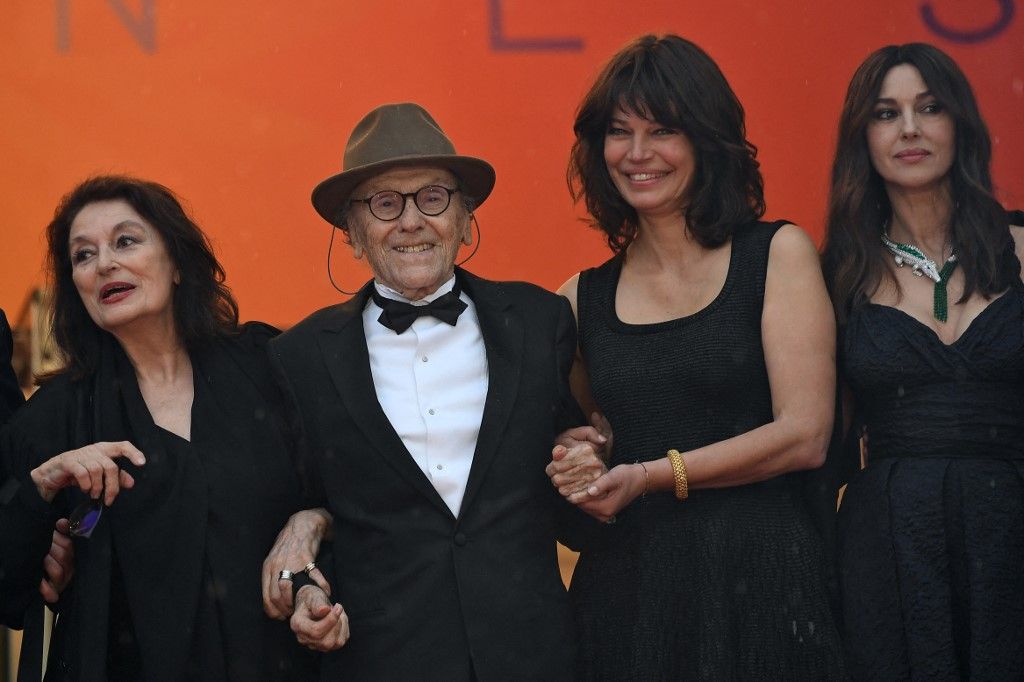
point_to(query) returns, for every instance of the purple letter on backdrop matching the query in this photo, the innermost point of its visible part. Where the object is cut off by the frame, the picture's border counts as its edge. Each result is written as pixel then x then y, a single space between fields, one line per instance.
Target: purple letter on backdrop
pixel 142 28
pixel 977 35
pixel 502 43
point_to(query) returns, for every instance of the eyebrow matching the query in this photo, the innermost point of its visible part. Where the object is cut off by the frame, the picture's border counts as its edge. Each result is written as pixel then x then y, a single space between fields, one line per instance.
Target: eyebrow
pixel 438 180
pixel 918 96
pixel 123 225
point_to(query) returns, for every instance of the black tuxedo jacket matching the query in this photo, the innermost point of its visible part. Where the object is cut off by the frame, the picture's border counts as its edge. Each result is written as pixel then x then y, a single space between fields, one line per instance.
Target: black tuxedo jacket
pixel 430 595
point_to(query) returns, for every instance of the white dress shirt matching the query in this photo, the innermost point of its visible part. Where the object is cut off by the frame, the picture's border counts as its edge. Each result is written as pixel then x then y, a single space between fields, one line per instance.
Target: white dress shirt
pixel 431 382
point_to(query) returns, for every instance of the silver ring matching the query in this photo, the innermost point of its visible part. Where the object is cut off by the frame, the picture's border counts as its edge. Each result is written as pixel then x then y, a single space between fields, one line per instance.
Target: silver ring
pixel 309 567
pixel 285 575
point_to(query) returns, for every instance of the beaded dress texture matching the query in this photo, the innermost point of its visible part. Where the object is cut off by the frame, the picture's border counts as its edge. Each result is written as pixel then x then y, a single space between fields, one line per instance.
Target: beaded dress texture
pixel 932 531
pixel 728 584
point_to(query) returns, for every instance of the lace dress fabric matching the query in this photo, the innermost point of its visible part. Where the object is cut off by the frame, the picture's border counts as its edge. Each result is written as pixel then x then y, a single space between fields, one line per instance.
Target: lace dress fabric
pixel 730 583
pixel 932 530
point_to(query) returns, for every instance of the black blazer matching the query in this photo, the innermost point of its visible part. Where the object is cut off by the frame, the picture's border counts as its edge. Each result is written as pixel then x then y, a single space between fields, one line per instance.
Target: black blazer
pixel 427 594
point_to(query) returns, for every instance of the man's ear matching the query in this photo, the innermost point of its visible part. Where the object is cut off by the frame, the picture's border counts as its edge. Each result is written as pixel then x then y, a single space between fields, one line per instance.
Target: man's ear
pixel 352 238
pixel 467 237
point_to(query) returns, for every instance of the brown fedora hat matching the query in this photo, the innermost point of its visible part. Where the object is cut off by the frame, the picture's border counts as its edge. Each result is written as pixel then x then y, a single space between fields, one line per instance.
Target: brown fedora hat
pixel 395 135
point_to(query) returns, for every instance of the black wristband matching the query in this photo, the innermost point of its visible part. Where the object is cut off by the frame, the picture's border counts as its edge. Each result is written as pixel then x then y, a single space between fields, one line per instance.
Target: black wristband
pixel 300 580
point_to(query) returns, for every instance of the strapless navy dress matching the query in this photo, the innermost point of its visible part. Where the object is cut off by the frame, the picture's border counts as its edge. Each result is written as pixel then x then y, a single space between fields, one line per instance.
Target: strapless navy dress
pixel 932 530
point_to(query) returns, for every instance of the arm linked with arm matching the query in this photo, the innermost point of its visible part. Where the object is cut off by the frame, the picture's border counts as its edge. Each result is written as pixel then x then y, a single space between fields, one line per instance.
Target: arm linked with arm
pixel 575 529
pixel 301 541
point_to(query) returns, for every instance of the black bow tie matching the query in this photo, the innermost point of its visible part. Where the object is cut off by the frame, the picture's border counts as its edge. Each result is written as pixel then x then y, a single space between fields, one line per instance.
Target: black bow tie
pixel 399 315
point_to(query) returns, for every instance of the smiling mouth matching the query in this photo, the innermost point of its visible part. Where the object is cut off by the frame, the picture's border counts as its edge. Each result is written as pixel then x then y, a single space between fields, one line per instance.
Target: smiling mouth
pixel 418 248
pixel 640 177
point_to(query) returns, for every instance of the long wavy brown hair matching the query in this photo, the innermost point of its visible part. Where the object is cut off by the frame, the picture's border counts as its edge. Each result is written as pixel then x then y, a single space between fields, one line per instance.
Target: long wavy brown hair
pixel 672 81
pixel 858 208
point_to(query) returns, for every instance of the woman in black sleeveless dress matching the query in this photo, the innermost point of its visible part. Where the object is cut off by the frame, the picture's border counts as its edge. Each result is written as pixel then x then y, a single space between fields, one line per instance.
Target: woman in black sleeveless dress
pixel 932 530
pixel 706 342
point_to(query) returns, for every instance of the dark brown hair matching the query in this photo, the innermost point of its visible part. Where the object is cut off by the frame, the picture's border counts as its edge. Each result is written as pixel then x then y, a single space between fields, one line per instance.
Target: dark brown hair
pixel 672 81
pixel 853 259
pixel 203 305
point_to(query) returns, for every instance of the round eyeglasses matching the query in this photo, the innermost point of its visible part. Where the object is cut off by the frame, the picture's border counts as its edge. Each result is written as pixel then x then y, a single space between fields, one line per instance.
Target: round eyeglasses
pixel 431 200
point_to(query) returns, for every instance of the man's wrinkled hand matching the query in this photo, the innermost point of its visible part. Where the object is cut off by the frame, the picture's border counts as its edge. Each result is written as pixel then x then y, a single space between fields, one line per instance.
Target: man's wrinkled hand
pixel 296 546
pixel 573 469
pixel 598 434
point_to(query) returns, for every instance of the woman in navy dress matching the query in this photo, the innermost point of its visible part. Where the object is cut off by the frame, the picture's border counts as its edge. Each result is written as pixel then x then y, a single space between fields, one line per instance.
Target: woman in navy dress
pixel 924 270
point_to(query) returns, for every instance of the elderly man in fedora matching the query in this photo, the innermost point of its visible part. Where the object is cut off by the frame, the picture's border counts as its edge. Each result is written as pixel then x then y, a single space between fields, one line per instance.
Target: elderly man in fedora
pixel 427 406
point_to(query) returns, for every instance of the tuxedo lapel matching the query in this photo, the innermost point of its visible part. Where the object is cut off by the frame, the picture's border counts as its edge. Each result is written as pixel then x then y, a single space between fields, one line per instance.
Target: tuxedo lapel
pixel 501 325
pixel 343 346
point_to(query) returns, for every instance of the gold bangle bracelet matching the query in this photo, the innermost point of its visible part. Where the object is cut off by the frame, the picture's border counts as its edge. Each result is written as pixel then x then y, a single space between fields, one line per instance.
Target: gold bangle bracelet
pixel 679 474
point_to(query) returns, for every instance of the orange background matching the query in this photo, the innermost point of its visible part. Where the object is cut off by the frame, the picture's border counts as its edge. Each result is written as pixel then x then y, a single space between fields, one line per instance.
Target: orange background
pixel 243 107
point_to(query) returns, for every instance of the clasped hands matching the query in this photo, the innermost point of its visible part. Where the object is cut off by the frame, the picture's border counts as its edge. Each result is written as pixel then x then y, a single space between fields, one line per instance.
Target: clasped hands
pixel 318 623
pixel 578 470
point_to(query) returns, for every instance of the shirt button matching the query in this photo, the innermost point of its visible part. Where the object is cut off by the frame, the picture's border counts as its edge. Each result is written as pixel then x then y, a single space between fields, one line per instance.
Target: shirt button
pixel 430 411
pixel 424 358
pixel 460 539
pixel 440 467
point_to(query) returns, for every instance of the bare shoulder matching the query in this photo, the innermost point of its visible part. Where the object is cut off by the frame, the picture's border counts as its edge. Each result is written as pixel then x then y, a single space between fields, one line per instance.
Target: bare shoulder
pixel 792 249
pixel 569 289
pixel 797 319
pixel 794 278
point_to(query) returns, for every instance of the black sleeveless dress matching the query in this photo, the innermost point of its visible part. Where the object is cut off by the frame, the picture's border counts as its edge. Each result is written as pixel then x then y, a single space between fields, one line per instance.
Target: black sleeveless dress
pixel 932 531
pixel 728 584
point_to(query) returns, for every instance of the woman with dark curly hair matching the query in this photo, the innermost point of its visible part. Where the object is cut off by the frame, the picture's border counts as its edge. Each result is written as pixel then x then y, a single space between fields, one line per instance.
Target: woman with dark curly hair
pixel 924 271
pixel 707 344
pixel 159 439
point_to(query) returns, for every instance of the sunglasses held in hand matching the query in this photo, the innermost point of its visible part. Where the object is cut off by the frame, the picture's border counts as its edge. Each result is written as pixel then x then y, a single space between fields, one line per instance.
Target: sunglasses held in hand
pixel 83 519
